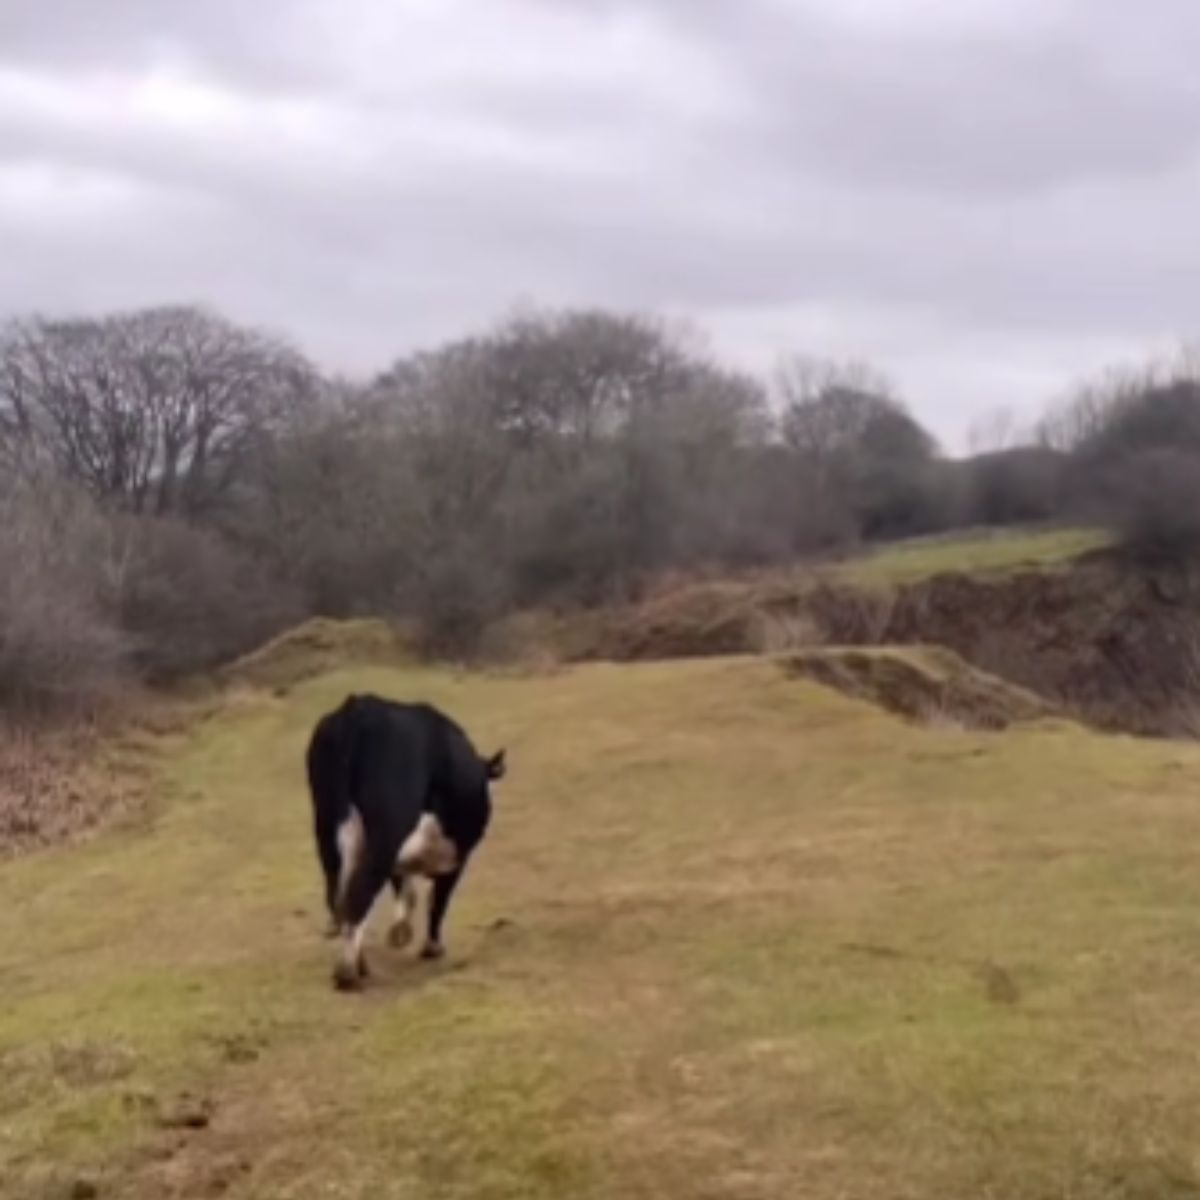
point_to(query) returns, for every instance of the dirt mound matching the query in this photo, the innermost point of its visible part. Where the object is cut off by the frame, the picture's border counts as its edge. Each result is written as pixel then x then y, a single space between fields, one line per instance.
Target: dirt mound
pixel 923 683
pixel 695 621
pixel 313 648
pixel 766 615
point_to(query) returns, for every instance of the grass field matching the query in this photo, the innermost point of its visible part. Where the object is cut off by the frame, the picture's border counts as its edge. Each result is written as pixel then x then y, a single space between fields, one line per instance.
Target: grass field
pixel 733 935
pixel 977 552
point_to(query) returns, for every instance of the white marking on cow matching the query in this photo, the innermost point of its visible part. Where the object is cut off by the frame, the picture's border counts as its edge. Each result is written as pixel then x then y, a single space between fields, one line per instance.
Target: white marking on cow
pixel 350 844
pixel 350 955
pixel 427 850
pixel 401 931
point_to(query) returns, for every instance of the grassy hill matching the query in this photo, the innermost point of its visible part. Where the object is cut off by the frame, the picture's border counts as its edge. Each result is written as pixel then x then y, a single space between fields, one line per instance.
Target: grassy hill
pixel 974 552
pixel 734 935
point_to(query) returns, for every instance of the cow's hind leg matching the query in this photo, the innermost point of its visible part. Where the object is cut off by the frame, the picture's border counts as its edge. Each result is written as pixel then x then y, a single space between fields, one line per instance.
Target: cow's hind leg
pixel 443 889
pixel 401 931
pixel 367 878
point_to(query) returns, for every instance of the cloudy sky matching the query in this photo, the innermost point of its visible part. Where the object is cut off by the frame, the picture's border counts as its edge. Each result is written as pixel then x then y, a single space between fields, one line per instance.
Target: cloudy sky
pixel 984 198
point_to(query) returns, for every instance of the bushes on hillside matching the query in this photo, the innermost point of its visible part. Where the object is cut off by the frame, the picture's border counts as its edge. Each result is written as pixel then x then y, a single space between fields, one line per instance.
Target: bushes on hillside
pixel 91 601
pixel 1132 447
pixel 60 646
pixel 1155 502
pixel 1016 486
pixel 175 488
pixel 190 599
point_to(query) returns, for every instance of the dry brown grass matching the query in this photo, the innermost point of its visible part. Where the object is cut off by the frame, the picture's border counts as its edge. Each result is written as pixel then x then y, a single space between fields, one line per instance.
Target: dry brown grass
pixel 61 783
pixel 316 646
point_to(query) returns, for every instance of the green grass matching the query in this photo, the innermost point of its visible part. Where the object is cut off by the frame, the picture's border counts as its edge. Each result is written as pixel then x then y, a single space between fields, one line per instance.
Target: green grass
pixel 733 935
pixel 980 552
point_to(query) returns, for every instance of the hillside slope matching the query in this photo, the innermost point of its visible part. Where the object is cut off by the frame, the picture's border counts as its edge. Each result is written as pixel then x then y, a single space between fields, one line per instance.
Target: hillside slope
pixel 734 935
pixel 1108 639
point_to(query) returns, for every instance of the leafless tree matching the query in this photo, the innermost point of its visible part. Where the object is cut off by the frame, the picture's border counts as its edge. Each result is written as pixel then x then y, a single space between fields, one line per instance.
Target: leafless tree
pixel 997 430
pixel 158 411
pixel 800 379
pixel 577 445
pixel 864 460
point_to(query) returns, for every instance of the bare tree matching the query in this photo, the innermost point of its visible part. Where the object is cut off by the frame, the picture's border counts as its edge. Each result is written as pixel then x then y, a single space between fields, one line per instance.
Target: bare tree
pixel 565 453
pixel 158 411
pixel 1094 405
pixel 800 379
pixel 841 421
pixel 864 461
pixel 996 430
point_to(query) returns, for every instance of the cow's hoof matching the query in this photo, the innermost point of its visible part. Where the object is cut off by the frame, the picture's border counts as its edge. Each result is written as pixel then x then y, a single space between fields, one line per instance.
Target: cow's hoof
pixel 432 951
pixel 400 934
pixel 346 977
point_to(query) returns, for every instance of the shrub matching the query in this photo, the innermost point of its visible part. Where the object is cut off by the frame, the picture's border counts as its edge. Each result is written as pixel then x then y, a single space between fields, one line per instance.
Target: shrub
pixel 459 594
pixel 60 644
pixel 1013 487
pixel 190 599
pixel 1156 505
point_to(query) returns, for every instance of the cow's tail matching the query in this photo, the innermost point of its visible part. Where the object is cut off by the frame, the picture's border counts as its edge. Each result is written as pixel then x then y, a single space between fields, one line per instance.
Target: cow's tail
pixel 351 834
pixel 331 762
pixel 332 773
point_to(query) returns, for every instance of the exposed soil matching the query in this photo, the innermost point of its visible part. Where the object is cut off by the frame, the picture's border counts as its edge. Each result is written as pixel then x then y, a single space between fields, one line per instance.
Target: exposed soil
pixel 1112 642
pixel 928 684
pixel 1117 645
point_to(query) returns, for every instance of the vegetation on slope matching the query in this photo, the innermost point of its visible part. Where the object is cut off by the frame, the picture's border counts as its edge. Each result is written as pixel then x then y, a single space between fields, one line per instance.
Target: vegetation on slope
pixel 734 935
pixel 1092 630
pixel 55 787
pixel 773 610
pixel 175 489
pixel 975 552
pixel 314 648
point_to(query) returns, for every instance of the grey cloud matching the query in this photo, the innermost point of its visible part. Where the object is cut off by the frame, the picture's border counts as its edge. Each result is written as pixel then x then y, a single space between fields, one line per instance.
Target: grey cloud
pixel 1104 90
pixel 256 43
pixel 371 185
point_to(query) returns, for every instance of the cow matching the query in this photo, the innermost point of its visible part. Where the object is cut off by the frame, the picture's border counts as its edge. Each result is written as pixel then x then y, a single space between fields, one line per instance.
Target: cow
pixel 398 792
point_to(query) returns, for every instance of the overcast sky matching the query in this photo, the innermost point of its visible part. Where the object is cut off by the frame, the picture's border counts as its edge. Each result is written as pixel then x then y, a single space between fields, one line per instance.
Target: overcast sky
pixel 984 198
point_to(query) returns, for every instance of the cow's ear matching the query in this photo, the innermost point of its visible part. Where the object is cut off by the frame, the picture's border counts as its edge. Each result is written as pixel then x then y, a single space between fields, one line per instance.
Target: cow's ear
pixel 497 765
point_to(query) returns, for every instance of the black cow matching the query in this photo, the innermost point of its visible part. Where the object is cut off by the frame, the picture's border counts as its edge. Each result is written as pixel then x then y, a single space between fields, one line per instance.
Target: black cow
pixel 398 792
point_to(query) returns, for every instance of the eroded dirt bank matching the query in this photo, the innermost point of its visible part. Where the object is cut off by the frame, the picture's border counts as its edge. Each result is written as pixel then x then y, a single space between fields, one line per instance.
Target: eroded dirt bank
pixel 1115 643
